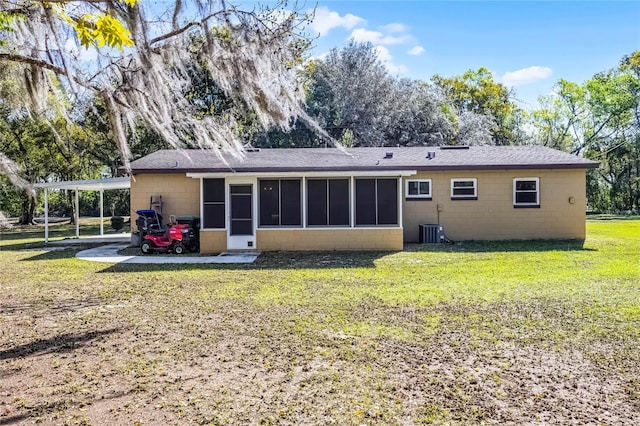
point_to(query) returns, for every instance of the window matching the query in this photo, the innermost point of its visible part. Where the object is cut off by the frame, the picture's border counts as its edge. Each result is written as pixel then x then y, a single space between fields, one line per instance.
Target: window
pixel 280 202
pixel 418 189
pixel 328 202
pixel 376 201
pixel 464 189
pixel 213 204
pixel 526 192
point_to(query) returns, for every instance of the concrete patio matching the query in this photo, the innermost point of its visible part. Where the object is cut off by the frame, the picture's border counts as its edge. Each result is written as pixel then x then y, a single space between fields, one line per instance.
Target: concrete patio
pixel 109 254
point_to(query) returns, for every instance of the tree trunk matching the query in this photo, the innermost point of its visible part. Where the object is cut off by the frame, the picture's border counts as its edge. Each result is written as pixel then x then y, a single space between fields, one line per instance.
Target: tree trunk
pixel 27 207
pixel 72 209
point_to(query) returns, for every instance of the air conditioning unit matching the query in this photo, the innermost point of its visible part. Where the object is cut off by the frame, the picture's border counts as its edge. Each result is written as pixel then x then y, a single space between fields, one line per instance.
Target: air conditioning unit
pixel 430 234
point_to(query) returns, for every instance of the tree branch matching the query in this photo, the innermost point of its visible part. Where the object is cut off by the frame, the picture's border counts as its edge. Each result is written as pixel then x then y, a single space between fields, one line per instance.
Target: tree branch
pixel 185 28
pixel 31 61
pixel 176 32
pixel 44 65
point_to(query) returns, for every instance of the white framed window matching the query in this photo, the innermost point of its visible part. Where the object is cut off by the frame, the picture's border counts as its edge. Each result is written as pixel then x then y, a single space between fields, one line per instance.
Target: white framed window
pixel 526 192
pixel 464 189
pixel 418 189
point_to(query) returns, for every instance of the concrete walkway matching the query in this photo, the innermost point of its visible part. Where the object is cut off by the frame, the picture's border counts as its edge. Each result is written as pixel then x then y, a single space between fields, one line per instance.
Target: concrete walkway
pixel 109 254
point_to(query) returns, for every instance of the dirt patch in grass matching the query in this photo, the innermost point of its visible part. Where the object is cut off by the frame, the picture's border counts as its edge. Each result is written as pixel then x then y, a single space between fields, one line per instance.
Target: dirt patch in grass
pixel 160 360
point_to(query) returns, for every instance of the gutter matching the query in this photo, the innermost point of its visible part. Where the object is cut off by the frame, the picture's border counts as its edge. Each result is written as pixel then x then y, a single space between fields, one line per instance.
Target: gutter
pixel 372 170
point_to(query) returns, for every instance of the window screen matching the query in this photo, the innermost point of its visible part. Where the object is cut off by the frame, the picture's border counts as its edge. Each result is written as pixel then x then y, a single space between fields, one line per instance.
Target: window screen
pixel 339 202
pixel 365 202
pixel 280 202
pixel 290 203
pixel 377 201
pixel 418 188
pixel 269 203
pixel 464 188
pixel 328 202
pixel 387 201
pixel 213 203
pixel 317 202
pixel 526 192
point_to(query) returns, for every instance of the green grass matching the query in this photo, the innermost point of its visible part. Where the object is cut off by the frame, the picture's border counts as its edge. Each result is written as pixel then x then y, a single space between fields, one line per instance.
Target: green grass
pixel 19 236
pixel 478 332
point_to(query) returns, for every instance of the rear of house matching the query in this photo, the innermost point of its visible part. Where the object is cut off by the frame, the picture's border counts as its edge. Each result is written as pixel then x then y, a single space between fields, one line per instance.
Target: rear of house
pixel 366 198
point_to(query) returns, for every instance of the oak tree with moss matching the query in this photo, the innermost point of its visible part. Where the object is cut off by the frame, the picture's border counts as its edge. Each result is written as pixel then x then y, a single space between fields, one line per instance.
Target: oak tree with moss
pixel 138 59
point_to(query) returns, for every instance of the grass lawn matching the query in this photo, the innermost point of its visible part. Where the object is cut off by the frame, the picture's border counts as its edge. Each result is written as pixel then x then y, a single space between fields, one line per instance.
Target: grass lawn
pixel 476 333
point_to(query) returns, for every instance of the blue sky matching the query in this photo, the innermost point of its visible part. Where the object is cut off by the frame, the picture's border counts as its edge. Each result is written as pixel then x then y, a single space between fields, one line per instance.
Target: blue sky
pixel 527 45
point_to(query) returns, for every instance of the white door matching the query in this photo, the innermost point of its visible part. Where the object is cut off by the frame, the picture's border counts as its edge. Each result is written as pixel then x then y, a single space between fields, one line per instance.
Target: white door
pixel 241 232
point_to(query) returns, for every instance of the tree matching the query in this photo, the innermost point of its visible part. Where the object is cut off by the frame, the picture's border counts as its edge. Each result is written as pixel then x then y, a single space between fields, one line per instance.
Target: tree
pixel 27 142
pixel 474 128
pixel 48 148
pixel 476 92
pixel 414 116
pixel 353 97
pixel 599 119
pixel 350 90
pixel 144 64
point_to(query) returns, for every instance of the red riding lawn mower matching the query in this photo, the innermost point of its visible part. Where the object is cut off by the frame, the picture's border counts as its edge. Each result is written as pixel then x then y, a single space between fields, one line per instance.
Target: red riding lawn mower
pixel 175 238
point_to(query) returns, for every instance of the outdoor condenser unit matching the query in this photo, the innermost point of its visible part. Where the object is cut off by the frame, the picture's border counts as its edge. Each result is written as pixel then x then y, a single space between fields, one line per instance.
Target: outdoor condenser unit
pixel 431 234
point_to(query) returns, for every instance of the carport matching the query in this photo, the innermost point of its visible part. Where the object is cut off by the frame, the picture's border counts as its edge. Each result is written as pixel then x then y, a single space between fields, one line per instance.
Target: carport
pixel 77 186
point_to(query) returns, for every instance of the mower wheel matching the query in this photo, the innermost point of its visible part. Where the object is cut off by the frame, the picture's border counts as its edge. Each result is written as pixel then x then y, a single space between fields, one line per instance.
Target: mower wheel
pixel 193 247
pixel 179 248
pixel 146 247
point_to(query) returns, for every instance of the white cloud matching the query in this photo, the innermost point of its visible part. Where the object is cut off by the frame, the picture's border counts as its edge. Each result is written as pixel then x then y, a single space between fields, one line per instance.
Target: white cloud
pixel 375 37
pixel 416 51
pixel 396 28
pixel 363 36
pixel 387 60
pixel 526 76
pixel 325 20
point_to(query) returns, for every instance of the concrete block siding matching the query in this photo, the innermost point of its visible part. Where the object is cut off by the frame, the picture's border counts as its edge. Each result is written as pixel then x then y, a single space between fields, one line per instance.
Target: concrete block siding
pixel 492 216
pixel 180 194
pixel 213 241
pixel 330 239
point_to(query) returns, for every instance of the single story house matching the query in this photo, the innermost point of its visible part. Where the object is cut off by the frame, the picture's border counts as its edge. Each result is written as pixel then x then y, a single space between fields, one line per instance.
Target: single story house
pixel 367 198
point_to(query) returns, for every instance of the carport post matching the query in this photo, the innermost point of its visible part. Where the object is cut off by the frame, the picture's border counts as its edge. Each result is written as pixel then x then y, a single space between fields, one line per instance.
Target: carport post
pixel 77 215
pixel 46 215
pixel 101 211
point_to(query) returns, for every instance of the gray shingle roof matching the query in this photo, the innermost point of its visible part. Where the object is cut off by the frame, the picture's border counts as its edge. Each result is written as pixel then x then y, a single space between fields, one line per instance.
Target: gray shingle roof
pixel 362 159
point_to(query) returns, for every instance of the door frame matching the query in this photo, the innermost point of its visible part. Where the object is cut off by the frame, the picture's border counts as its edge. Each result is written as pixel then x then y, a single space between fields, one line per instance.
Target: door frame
pixel 241 242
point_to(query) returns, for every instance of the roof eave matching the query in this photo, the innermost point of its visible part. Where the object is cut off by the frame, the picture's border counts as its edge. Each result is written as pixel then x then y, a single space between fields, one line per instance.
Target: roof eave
pixel 367 169
pixel 510 167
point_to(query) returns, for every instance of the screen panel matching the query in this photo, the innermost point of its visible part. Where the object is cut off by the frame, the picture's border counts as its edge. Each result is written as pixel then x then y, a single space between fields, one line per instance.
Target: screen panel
pixel 213 190
pixel 290 203
pixel 213 216
pixel 317 202
pixel 387 201
pixel 365 201
pixel 269 202
pixel 241 227
pixel 213 208
pixel 339 202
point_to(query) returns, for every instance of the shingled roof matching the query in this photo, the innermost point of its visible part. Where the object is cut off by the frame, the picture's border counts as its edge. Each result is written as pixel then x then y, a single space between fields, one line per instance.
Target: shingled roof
pixel 361 159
